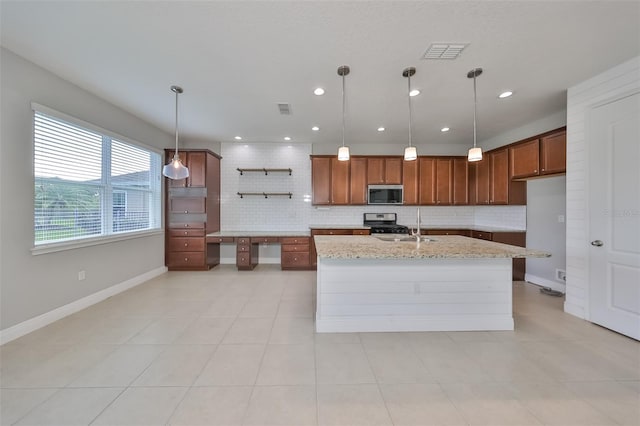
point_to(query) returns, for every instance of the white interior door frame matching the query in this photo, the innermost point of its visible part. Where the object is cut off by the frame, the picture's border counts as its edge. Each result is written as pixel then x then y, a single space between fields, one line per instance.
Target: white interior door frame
pixel 593 216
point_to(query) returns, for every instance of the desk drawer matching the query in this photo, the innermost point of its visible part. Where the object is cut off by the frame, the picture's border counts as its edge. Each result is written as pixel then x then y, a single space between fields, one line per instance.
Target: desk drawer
pixel 294 240
pixel 217 240
pixel 292 260
pixel 300 248
pixel 173 233
pixel 186 244
pixel 264 240
pixel 185 259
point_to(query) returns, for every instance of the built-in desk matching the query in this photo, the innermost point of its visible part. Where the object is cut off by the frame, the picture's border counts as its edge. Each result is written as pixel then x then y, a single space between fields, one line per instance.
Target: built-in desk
pixel 294 247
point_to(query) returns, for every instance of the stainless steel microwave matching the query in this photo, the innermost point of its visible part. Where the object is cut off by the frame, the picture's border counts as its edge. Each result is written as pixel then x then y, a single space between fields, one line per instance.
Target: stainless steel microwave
pixel 385 194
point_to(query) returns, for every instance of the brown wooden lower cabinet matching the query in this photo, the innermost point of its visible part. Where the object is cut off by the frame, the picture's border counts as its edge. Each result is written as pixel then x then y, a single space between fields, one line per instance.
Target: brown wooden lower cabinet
pixel 246 254
pixel 294 253
pixel 518 238
pixel 186 247
pixel 463 232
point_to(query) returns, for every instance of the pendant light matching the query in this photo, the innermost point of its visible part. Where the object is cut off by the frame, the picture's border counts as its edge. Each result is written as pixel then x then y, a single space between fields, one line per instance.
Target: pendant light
pixel 343 151
pixel 410 152
pixel 475 153
pixel 175 169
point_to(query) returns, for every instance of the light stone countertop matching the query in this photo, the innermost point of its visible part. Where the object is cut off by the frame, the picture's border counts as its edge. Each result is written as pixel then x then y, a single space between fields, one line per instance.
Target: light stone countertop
pixel 441 246
pixel 339 227
pixel 250 234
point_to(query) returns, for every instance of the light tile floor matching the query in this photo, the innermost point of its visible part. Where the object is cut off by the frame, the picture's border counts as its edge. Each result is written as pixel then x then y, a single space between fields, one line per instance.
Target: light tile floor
pixel 238 348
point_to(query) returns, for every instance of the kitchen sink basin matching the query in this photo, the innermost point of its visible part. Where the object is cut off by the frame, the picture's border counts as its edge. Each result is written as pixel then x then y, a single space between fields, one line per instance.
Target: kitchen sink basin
pixel 403 238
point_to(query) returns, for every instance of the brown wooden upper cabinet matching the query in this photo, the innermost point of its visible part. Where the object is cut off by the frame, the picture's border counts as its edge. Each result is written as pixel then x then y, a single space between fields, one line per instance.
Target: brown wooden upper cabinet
pixel 427 180
pixel 460 181
pixel 195 162
pixel 542 156
pixel 490 181
pixel 358 175
pixel 443 181
pixel 330 180
pixel 384 170
pixel 410 182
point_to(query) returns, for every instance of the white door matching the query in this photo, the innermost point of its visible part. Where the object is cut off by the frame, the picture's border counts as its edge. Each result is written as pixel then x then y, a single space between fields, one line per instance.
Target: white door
pixel 614 209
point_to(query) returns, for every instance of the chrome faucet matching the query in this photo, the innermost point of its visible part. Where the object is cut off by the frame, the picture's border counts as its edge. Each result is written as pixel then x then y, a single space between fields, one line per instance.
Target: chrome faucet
pixel 416 233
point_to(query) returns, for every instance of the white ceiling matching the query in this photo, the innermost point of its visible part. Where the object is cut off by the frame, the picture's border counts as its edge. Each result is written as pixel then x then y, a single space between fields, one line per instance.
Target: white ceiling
pixel 237 59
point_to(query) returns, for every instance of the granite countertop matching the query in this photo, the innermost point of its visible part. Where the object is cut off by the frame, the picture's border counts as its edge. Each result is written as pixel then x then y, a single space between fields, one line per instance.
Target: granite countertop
pixel 339 227
pixel 481 228
pixel 260 234
pixel 440 246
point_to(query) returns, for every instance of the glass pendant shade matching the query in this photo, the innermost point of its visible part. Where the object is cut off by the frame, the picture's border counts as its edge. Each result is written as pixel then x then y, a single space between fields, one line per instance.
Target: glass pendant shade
pixel 175 169
pixel 410 153
pixel 475 154
pixel 343 153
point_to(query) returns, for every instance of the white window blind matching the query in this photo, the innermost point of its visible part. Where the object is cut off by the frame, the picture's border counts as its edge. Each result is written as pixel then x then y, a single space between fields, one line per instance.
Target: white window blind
pixel 89 184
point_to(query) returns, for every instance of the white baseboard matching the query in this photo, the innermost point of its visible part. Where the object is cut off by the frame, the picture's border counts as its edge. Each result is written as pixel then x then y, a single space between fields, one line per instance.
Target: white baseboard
pixel 47 318
pixel 554 285
pixel 575 310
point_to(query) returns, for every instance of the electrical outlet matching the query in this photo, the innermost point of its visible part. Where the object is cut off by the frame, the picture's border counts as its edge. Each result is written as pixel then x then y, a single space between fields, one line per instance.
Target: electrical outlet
pixel 81 275
pixel 561 275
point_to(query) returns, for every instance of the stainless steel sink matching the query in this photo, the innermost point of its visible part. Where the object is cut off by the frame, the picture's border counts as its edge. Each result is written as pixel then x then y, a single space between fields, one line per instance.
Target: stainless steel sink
pixel 402 238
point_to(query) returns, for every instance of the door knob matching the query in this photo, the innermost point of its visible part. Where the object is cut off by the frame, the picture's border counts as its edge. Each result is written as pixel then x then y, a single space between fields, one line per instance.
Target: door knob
pixel 597 243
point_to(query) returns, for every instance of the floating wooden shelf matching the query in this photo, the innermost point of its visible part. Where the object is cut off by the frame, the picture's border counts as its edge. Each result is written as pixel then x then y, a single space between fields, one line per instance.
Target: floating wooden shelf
pixel 266 194
pixel 265 171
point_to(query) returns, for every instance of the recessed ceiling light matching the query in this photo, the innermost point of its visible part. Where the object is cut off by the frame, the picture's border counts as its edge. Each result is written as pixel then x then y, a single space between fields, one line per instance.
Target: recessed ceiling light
pixel 319 91
pixel 414 92
pixel 315 128
pixel 381 129
pixel 445 129
pixel 238 138
pixel 287 138
pixel 505 94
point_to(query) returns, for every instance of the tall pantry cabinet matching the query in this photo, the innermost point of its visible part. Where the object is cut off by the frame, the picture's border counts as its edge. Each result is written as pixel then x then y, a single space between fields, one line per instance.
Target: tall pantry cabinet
pixel 192 210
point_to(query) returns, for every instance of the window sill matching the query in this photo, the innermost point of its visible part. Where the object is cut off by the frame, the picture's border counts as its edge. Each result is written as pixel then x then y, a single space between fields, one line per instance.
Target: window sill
pixel 87 242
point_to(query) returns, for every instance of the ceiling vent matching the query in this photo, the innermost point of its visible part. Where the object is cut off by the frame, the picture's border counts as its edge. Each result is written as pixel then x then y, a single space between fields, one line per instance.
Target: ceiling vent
pixel 285 109
pixel 444 50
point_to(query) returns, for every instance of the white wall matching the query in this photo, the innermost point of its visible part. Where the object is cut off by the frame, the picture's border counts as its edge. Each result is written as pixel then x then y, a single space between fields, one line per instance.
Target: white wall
pixel 551 122
pixel 546 230
pixel 34 285
pixel 580 99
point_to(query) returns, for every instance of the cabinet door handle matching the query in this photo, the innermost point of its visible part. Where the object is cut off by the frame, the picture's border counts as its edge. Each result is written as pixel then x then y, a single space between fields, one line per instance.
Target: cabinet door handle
pixel 597 243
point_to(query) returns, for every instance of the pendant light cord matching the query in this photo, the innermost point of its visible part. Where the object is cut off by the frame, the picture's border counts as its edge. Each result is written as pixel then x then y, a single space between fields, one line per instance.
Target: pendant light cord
pixel 409 98
pixel 475 107
pixel 176 153
pixel 343 108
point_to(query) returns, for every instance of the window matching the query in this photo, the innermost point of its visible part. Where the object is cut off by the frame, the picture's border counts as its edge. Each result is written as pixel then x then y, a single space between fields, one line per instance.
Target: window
pixel 90 184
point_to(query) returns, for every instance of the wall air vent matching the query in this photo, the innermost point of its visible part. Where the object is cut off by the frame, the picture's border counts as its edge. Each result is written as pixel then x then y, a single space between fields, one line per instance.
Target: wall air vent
pixel 444 50
pixel 285 109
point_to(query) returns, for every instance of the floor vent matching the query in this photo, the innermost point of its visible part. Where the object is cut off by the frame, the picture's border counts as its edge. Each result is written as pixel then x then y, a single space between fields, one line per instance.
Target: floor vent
pixel 444 50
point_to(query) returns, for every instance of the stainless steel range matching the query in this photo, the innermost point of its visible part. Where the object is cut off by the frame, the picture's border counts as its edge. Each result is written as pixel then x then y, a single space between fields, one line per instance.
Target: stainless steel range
pixel 384 223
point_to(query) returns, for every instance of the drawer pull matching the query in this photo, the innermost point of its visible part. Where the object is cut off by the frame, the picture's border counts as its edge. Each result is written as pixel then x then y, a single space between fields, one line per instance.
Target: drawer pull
pixel 186 244
pixel 186 225
pixel 186 259
pixel 186 211
pixel 186 233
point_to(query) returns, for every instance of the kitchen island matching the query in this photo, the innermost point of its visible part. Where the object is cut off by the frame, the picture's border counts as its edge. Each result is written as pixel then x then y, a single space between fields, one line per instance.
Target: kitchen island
pixel 394 283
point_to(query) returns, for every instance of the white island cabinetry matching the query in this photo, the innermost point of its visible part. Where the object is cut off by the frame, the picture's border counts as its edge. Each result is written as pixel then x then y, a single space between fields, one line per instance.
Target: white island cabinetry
pixel 451 283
